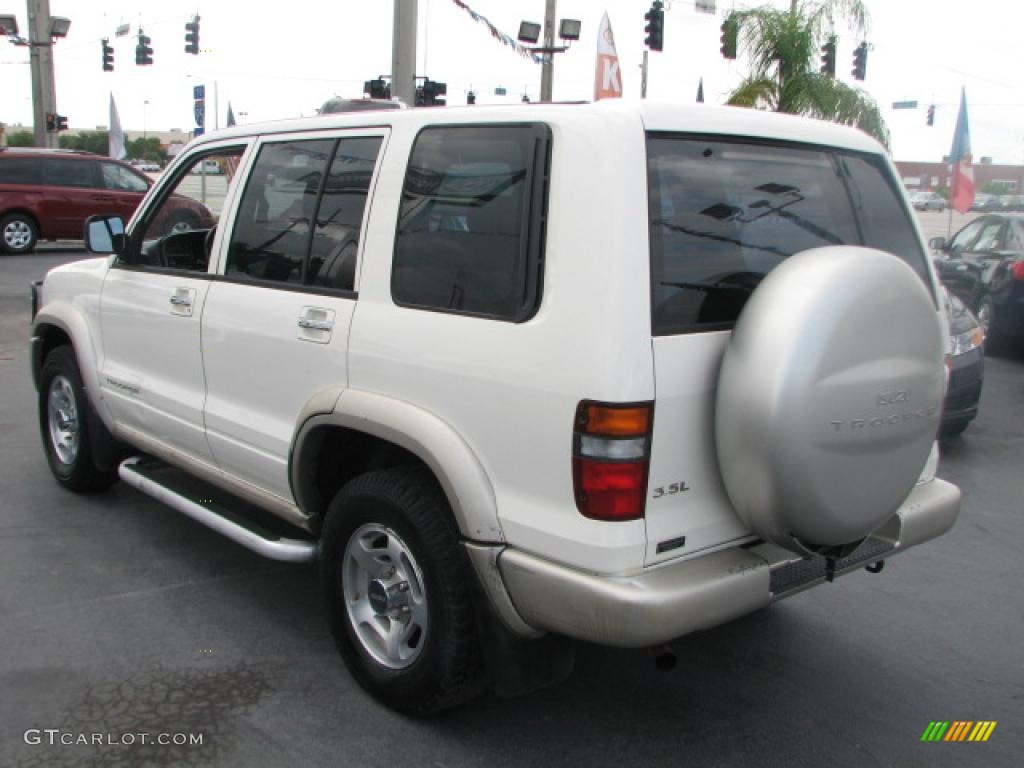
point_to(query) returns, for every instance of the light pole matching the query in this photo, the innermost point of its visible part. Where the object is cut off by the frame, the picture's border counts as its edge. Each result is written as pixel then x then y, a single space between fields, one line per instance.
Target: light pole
pixel 145 115
pixel 43 29
pixel 529 32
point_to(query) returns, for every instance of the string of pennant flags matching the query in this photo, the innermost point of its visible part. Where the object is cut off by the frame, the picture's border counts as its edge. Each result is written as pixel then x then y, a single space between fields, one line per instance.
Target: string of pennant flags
pixel 498 35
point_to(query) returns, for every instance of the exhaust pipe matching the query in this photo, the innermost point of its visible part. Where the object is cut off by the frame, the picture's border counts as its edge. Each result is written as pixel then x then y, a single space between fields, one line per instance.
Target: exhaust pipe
pixel 663 656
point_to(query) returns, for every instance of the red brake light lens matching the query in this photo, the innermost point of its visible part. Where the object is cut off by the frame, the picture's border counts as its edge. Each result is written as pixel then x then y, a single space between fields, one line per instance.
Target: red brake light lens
pixel 1018 271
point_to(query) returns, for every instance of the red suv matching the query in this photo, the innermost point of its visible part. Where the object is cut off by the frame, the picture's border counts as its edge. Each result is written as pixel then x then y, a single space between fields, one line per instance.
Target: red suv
pixel 47 194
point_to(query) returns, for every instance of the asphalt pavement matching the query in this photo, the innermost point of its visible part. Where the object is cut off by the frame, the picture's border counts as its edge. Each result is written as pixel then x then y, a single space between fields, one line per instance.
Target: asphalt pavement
pixel 120 617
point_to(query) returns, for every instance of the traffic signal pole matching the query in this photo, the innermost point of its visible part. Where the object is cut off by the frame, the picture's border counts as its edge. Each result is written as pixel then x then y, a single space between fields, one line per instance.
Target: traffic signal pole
pixel 403 52
pixel 40 52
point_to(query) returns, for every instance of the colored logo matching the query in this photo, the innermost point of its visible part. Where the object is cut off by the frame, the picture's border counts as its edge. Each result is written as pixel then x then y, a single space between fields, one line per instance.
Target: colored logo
pixel 958 730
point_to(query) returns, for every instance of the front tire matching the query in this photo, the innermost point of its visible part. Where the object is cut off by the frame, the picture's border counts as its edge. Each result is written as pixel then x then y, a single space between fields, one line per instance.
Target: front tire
pixel 397 586
pixel 65 426
pixel 18 233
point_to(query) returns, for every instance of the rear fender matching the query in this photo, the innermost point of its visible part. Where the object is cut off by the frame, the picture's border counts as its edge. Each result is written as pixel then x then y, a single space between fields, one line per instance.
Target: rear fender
pixel 423 434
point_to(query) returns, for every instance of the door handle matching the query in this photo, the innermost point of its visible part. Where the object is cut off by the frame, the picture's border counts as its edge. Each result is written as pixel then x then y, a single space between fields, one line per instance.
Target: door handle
pixel 315 325
pixel 181 301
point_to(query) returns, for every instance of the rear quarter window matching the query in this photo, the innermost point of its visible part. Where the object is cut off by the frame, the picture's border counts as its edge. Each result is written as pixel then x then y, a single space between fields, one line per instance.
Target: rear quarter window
pixel 724 213
pixel 19 170
pixel 470 229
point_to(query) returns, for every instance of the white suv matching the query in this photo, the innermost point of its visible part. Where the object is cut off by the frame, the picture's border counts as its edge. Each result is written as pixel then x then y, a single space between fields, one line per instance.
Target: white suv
pixel 516 375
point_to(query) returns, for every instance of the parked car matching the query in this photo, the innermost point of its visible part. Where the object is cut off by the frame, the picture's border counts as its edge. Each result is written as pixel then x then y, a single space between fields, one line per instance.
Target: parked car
pixel 47 194
pixel 928 201
pixel 983 265
pixel 498 427
pixel 967 339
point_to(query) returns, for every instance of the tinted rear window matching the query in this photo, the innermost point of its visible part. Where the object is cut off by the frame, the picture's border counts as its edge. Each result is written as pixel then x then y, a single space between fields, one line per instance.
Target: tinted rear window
pixel 725 213
pixel 19 170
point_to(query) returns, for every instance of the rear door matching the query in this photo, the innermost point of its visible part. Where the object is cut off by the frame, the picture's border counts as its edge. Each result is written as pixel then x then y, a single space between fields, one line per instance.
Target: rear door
pixel 276 322
pixel 69 196
pixel 723 213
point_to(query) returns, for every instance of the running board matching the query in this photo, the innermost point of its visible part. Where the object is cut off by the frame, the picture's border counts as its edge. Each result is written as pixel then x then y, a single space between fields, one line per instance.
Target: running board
pixel 189 496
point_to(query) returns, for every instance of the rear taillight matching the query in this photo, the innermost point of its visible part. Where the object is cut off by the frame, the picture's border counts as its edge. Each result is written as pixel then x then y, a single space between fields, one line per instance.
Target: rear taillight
pixel 611 454
pixel 1018 271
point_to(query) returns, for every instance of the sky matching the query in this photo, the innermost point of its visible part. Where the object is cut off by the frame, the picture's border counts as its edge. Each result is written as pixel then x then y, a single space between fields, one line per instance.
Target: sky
pixel 273 61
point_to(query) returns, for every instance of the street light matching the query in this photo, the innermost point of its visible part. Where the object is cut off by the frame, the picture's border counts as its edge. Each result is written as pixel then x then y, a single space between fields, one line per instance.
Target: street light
pixel 44 30
pixel 8 25
pixel 529 32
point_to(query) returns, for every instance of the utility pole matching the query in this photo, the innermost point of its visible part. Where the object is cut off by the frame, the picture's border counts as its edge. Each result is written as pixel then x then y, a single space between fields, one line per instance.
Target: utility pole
pixel 403 52
pixel 40 52
pixel 547 71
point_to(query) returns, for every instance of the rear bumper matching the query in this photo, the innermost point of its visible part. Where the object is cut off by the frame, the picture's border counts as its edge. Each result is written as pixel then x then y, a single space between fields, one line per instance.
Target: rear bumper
pixel 669 601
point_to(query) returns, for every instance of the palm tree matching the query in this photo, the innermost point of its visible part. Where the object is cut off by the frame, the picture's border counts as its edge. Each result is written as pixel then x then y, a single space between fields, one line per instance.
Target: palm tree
pixel 783 48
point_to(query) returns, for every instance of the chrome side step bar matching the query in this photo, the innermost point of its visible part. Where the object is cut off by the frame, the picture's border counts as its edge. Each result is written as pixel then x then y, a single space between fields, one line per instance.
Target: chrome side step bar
pixel 139 474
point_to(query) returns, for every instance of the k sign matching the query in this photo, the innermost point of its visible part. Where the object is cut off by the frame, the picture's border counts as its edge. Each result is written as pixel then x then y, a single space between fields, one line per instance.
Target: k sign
pixel 608 77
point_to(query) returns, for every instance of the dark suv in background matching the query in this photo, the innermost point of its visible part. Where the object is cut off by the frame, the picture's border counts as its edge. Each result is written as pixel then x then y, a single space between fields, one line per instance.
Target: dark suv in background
pixel 47 194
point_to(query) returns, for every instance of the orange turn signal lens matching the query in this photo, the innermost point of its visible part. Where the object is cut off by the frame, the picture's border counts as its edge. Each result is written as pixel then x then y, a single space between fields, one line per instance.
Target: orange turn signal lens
pixel 628 421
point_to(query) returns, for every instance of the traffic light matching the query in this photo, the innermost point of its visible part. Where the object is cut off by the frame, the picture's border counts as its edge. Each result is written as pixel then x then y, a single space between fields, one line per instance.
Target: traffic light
pixel 55 122
pixel 471 98
pixel 143 51
pixel 931 114
pixel 730 36
pixel 378 89
pixel 108 56
pixel 828 57
pixel 860 61
pixel 192 36
pixel 430 94
pixel 655 28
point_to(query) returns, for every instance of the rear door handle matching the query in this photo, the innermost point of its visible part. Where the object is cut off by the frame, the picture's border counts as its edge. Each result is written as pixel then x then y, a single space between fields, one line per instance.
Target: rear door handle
pixel 181 301
pixel 316 324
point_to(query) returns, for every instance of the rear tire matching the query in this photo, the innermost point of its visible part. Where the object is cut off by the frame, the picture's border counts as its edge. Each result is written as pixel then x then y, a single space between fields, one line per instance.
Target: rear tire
pixel 68 434
pixel 18 233
pixel 398 592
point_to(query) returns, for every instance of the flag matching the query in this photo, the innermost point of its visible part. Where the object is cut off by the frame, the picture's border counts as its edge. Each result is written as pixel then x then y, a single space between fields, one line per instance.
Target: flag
pixel 115 144
pixel 961 193
pixel 700 91
pixel 231 116
pixel 607 78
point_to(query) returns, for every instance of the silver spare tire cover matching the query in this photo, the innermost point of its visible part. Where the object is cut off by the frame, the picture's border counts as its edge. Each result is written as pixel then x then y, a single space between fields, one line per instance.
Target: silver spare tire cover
pixel 829 397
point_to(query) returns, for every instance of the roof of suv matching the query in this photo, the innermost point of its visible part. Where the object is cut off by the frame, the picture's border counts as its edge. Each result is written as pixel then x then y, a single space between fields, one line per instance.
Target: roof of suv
pixel 682 118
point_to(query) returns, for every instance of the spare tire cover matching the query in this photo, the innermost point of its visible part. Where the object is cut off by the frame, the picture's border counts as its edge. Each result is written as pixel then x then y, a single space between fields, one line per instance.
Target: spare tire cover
pixel 829 397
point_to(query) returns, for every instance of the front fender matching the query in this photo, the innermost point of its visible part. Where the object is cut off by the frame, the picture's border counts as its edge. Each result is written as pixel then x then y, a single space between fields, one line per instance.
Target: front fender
pixel 71 321
pixel 423 434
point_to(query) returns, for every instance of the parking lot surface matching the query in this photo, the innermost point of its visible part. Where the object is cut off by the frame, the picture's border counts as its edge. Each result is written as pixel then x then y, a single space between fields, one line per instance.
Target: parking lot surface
pixel 120 616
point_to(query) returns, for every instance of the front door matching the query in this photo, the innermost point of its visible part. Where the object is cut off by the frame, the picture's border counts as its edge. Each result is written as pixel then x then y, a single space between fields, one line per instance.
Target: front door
pixel 150 311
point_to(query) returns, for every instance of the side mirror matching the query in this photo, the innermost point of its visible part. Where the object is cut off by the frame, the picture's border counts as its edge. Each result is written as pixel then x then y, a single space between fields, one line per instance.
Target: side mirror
pixel 104 234
pixel 937 243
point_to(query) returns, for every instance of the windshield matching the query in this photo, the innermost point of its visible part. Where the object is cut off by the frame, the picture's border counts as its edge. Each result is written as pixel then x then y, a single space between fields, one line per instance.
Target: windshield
pixel 723 213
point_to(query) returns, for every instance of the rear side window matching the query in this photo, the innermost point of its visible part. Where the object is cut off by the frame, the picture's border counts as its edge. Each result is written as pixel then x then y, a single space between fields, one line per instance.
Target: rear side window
pixel 301 214
pixel 471 223
pixel 67 173
pixel 271 235
pixel 19 170
pixel 724 213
